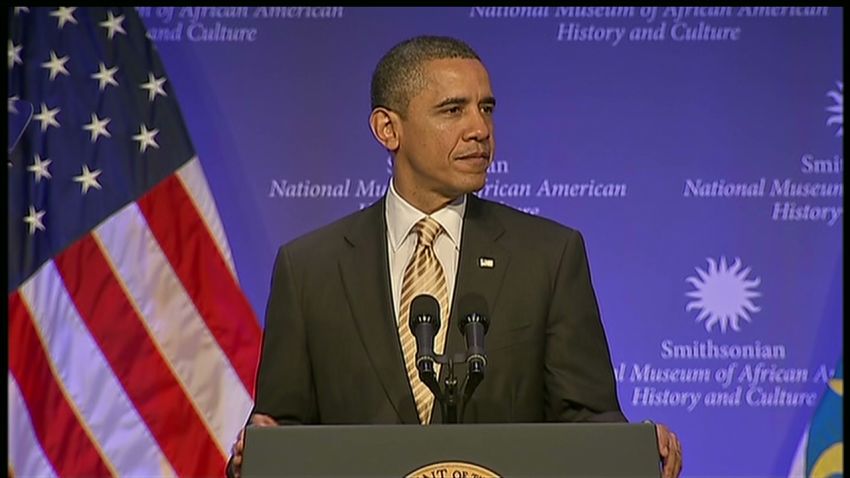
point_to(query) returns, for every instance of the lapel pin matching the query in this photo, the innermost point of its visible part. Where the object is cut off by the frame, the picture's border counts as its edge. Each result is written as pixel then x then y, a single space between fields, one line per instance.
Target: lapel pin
pixel 486 262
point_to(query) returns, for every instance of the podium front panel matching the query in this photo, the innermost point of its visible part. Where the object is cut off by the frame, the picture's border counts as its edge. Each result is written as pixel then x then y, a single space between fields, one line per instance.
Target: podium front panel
pixel 508 450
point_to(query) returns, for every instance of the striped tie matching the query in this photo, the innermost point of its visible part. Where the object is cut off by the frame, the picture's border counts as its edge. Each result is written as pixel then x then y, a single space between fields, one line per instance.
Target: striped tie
pixel 423 275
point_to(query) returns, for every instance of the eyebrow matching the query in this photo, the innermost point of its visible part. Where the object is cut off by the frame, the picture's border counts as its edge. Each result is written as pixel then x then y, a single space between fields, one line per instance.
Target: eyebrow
pixel 457 100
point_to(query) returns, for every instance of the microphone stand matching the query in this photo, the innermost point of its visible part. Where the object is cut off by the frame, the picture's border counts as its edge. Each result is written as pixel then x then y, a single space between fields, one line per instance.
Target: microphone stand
pixel 469 385
pixel 429 378
pixel 450 405
pixel 449 397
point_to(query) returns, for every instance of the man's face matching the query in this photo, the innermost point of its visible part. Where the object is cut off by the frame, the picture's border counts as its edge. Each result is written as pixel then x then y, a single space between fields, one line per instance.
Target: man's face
pixel 445 137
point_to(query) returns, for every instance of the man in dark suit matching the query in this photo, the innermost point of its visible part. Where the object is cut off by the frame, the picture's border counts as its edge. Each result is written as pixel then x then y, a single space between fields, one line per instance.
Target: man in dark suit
pixel 333 351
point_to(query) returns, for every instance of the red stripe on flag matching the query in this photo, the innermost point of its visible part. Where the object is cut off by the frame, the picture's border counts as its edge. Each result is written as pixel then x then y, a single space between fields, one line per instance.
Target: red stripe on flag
pixel 191 250
pixel 136 361
pixel 66 444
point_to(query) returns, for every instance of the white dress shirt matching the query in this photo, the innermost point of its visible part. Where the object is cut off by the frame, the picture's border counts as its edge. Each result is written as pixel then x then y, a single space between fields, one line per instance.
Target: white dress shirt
pixel 401 241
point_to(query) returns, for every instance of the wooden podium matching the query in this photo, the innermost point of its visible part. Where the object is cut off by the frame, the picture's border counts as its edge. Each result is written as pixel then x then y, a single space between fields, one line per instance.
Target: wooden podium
pixel 453 451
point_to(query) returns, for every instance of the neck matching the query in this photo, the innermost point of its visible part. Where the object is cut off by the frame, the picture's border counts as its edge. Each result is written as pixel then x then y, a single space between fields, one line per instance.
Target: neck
pixel 425 201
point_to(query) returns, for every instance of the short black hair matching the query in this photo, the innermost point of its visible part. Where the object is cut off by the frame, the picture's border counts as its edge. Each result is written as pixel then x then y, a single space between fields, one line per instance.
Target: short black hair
pixel 398 75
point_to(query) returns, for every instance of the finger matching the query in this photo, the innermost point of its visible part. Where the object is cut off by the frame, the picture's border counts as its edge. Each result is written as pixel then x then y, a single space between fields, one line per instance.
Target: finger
pixel 667 462
pixel 664 446
pixel 676 460
pixel 671 443
pixel 680 461
pixel 262 420
pixel 672 468
pixel 663 439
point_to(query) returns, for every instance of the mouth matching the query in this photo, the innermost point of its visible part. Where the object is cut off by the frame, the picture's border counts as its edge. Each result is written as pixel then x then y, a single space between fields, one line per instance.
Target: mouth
pixel 475 163
pixel 483 155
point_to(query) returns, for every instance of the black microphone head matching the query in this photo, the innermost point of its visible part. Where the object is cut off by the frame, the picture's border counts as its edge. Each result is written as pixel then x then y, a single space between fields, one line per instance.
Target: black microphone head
pixel 473 308
pixel 424 308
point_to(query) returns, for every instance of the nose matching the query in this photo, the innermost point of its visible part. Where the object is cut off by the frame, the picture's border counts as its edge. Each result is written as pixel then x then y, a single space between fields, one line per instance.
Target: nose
pixel 480 126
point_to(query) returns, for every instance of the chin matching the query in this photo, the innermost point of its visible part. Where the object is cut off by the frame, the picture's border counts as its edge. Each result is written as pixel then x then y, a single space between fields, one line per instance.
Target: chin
pixel 475 185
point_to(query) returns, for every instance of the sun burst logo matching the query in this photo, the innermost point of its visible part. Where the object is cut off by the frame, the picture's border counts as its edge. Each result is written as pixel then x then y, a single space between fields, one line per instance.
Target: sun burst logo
pixel 723 294
pixel 837 110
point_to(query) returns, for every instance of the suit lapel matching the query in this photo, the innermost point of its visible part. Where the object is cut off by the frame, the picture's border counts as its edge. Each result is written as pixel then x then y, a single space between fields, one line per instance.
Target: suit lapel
pixel 481 267
pixel 366 279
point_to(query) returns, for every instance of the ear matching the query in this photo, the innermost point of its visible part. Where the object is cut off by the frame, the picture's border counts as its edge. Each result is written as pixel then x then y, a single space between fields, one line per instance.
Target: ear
pixel 386 126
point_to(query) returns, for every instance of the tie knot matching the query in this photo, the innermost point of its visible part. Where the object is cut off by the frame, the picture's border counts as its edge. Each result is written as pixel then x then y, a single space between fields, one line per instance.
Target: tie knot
pixel 427 229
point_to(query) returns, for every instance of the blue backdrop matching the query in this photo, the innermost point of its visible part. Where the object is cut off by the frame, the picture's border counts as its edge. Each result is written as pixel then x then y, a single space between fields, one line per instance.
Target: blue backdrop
pixel 699 150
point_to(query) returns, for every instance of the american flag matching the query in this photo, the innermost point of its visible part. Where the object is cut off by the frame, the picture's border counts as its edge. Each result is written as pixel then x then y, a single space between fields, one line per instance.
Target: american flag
pixel 132 349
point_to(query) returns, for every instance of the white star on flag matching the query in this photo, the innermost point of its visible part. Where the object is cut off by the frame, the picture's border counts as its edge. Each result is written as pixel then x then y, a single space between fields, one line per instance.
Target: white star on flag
pixel 88 179
pixel 39 167
pixel 113 24
pixel 65 15
pixel 11 107
pixel 34 220
pixel 14 54
pixel 146 138
pixel 97 127
pixel 47 117
pixel 56 65
pixel 106 76
pixel 154 86
pixel 21 10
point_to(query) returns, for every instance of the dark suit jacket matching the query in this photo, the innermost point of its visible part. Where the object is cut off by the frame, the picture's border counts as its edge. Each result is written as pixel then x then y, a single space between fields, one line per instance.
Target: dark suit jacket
pixel 331 353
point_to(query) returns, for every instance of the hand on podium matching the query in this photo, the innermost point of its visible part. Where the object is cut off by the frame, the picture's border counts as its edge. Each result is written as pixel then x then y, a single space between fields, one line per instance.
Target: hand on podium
pixel 670 450
pixel 234 466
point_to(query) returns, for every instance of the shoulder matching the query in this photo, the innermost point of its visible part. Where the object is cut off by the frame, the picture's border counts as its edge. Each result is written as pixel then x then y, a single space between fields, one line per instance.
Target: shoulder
pixel 539 247
pixel 335 236
pixel 523 227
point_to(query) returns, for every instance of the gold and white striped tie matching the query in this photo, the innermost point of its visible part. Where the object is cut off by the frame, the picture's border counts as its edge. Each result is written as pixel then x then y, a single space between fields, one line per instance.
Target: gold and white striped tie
pixel 423 275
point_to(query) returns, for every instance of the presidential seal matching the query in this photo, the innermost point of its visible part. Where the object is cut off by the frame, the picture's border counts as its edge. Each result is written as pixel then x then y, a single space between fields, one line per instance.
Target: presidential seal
pixel 452 469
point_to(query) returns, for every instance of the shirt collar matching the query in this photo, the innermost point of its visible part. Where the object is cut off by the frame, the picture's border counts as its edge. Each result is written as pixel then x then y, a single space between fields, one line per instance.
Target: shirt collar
pixel 402 216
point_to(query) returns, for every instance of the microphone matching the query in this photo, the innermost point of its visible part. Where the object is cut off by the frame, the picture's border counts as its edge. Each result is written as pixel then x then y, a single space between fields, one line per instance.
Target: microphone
pixel 473 325
pixel 424 324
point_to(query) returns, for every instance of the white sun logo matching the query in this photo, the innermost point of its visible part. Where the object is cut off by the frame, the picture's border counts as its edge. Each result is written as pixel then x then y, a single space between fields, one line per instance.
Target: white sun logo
pixel 723 294
pixel 837 109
